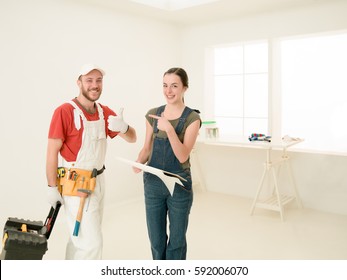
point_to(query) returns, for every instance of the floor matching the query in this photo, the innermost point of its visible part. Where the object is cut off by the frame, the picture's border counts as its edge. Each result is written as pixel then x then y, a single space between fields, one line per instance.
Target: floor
pixel 221 228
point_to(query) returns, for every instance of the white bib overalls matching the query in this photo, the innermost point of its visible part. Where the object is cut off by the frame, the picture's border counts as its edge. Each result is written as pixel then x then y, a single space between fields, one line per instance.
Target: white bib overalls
pixel 88 244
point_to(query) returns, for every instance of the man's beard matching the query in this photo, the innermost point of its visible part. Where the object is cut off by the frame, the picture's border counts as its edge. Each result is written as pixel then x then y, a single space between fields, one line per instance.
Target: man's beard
pixel 88 97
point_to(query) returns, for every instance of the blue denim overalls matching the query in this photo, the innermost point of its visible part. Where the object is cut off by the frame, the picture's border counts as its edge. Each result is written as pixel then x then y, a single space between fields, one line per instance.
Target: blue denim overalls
pixel 159 202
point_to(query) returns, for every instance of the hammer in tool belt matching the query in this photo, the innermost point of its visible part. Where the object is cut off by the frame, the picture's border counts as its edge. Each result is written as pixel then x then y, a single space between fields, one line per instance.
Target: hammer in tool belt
pixel 83 194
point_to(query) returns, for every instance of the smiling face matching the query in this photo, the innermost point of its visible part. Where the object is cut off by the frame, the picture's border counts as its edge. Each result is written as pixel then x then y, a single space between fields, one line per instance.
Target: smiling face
pixel 173 89
pixel 91 85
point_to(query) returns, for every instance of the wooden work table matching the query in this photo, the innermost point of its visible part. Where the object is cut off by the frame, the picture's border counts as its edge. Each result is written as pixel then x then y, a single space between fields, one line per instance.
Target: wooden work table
pixel 276 201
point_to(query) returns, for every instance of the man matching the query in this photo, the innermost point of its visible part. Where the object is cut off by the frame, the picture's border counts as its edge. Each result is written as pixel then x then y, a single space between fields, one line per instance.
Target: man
pixel 77 145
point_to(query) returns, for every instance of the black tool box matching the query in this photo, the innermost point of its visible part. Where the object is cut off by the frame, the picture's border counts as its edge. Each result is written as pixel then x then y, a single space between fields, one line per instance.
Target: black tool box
pixel 25 239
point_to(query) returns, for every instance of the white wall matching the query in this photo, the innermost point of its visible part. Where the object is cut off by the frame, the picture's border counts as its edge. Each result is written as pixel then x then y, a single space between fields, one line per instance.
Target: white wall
pixel 43 44
pixel 321 179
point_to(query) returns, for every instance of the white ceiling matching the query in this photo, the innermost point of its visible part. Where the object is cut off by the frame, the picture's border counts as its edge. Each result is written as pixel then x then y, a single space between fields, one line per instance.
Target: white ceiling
pixel 188 12
pixel 172 5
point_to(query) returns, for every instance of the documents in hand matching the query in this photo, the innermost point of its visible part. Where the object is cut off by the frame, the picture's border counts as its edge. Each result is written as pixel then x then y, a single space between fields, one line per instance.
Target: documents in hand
pixel 169 179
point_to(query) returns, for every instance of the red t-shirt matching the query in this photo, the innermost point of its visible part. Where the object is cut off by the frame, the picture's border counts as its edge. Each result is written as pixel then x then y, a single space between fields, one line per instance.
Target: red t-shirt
pixel 63 127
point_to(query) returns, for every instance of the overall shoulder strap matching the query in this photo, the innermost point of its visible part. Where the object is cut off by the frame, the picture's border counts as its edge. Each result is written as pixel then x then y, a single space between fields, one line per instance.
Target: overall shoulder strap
pixel 182 119
pixel 100 111
pixel 78 115
pixel 158 113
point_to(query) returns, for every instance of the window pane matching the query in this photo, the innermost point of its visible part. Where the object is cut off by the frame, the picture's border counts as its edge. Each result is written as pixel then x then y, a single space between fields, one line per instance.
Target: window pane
pixel 228 60
pixel 256 95
pixel 230 126
pixel 256 58
pixel 229 96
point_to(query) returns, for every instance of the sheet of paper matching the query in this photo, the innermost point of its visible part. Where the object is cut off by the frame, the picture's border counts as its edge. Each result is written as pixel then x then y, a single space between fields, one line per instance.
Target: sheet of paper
pixel 169 179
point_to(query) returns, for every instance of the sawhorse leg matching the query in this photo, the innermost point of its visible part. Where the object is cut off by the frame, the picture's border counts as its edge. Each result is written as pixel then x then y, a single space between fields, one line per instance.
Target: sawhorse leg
pixel 276 202
pixel 260 186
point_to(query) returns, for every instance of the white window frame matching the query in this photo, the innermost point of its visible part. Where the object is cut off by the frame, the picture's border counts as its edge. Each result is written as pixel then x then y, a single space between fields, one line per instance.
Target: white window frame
pixel 209 99
pixel 274 94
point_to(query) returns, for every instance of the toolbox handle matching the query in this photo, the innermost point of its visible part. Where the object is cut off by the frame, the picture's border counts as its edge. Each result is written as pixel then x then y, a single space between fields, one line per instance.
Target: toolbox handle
pixel 50 220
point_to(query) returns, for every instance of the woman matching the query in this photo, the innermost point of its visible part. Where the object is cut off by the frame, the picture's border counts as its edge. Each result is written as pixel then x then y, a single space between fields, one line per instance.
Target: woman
pixel 171 132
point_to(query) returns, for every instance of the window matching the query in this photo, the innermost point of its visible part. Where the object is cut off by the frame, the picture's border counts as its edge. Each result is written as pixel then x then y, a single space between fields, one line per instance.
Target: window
pixel 305 97
pixel 240 81
pixel 314 91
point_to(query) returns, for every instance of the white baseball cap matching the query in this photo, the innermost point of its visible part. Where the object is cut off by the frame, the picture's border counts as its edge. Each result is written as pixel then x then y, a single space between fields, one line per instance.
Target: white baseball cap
pixel 86 68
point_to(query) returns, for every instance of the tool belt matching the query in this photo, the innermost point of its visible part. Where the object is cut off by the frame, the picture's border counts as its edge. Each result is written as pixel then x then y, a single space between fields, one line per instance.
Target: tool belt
pixel 70 180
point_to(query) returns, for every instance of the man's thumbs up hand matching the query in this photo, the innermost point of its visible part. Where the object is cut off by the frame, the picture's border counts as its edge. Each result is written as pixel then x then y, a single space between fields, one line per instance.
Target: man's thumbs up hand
pixel 116 123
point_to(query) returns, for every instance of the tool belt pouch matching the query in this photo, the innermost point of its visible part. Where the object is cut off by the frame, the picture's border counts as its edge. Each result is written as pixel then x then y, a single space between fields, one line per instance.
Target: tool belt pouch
pixel 75 179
